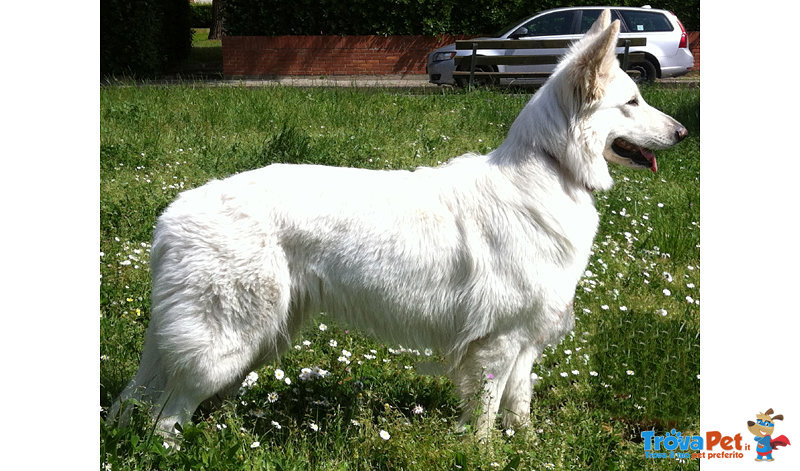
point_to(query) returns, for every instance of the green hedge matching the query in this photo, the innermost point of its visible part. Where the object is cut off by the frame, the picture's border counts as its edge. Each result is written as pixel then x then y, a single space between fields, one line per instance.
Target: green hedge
pixel 142 38
pixel 399 17
pixel 201 15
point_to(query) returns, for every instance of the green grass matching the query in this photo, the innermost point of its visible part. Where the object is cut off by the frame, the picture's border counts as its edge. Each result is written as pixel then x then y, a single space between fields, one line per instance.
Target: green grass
pixel 205 57
pixel 200 39
pixel 631 364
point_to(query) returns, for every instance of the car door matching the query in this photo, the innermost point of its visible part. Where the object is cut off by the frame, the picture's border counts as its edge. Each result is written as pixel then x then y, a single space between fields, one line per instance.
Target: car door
pixel 554 25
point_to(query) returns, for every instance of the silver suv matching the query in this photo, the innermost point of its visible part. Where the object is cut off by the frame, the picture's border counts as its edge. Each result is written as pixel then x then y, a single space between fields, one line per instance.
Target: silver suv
pixel 666 52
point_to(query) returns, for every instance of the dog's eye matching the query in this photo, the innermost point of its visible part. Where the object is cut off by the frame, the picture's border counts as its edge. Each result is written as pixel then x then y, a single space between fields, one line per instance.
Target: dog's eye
pixel 633 102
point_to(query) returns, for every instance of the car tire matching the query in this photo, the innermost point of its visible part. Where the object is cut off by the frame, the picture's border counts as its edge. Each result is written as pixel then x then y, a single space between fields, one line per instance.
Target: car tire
pixel 463 82
pixel 647 71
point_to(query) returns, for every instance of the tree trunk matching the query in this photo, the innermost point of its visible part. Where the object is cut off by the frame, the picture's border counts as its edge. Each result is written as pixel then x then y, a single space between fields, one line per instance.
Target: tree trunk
pixel 217 17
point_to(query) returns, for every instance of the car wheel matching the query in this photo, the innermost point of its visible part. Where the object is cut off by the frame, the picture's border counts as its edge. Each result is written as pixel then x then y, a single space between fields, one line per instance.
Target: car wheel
pixel 463 81
pixel 647 71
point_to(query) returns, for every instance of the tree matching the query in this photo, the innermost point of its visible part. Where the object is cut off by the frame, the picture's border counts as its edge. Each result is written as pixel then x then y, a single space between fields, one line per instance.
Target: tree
pixel 217 17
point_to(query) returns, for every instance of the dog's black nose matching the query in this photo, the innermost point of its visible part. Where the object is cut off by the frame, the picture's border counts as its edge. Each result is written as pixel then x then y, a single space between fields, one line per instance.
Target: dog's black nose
pixel 680 133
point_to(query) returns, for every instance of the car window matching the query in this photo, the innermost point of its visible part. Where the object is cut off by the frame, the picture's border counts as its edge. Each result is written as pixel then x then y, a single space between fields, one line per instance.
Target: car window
pixel 559 22
pixel 645 21
pixel 587 19
pixel 507 28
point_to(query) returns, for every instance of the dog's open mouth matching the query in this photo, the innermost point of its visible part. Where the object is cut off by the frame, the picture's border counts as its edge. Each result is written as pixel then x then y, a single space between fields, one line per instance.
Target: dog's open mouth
pixel 637 154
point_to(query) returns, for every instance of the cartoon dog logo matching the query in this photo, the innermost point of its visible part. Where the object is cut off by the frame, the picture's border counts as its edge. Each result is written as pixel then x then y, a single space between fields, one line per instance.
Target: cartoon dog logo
pixel 762 429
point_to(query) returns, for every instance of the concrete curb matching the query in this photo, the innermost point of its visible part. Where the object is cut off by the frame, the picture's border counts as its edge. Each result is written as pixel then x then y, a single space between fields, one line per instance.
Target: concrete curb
pixel 415 81
pixel 358 81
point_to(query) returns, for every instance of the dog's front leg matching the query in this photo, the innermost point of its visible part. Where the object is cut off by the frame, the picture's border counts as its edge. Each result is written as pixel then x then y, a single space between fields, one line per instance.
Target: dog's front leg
pixel 516 403
pixel 482 377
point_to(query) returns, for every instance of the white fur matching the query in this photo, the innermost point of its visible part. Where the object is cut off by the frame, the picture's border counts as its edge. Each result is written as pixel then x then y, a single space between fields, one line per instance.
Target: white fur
pixel 478 258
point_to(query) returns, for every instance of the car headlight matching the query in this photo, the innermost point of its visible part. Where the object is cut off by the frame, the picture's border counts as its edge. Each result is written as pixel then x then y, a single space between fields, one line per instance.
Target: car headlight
pixel 443 56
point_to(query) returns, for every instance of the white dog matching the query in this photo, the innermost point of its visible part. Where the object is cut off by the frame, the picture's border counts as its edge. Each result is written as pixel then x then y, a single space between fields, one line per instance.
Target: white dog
pixel 478 258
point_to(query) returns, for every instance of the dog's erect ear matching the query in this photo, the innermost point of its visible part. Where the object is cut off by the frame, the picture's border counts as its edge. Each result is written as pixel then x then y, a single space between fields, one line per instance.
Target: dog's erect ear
pixel 769 411
pixel 600 23
pixel 593 61
pixel 778 417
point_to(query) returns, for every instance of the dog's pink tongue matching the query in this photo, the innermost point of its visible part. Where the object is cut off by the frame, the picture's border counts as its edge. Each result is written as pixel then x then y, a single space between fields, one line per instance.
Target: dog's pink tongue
pixel 649 155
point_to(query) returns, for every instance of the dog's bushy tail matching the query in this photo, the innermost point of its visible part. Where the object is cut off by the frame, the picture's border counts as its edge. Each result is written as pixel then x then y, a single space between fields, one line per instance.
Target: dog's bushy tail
pixel 150 380
pixel 142 391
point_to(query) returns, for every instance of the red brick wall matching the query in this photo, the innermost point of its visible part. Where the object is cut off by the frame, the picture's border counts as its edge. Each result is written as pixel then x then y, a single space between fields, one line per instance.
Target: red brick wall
pixel 249 56
pixel 258 56
pixel 694 46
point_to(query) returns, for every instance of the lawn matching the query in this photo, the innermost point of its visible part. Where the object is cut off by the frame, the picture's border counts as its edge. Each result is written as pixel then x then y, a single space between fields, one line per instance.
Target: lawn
pixel 200 39
pixel 631 364
pixel 205 57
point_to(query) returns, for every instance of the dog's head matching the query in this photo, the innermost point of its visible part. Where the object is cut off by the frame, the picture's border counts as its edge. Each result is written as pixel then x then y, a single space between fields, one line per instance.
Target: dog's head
pixel 607 117
pixel 764 424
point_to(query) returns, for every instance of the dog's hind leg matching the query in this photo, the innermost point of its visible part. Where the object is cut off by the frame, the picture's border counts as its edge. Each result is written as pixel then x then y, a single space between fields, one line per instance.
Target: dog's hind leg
pixel 201 365
pixel 516 403
pixel 481 379
pixel 208 351
pixel 157 388
pixel 217 312
pixel 176 406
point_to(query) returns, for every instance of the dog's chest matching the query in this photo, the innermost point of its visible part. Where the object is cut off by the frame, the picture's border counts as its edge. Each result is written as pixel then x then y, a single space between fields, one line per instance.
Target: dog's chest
pixel 560 231
pixel 559 245
pixel 580 227
pixel 551 265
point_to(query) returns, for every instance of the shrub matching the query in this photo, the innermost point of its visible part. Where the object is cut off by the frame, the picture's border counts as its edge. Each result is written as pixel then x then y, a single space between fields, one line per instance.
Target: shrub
pixel 400 17
pixel 141 38
pixel 201 15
